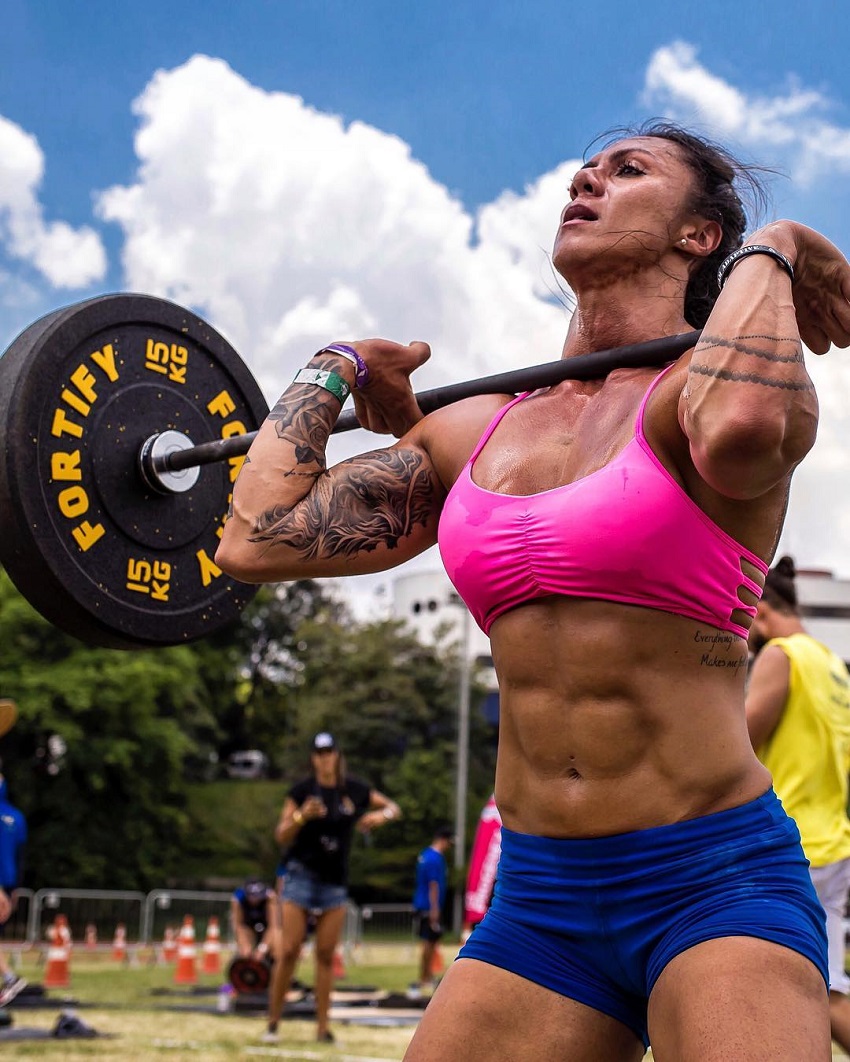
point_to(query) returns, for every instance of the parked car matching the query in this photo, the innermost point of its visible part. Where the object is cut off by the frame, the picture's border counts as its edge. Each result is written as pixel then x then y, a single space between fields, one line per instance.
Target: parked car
pixel 247 763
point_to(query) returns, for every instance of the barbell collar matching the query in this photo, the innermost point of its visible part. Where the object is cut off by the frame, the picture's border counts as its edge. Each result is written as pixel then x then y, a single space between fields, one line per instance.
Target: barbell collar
pixel 599 363
pixel 153 455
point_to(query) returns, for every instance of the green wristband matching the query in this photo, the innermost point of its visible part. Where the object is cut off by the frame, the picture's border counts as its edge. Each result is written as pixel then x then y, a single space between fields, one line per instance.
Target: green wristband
pixel 331 381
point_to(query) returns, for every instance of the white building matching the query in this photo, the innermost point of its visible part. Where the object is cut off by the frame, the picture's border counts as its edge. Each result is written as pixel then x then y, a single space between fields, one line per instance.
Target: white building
pixel 825 608
pixel 427 600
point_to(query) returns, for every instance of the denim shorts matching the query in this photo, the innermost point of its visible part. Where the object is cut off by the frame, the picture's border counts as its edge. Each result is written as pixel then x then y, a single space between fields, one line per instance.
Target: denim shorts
pixel 598 919
pixel 305 889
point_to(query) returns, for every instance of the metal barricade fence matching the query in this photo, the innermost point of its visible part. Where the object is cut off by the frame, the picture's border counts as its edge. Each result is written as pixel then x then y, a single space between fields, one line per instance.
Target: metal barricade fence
pixel 96 914
pixel 352 929
pixel 166 909
pixel 387 922
pixel 104 909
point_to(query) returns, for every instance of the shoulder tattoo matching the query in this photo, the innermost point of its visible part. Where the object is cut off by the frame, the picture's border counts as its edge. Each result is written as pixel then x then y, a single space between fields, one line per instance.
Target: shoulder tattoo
pixel 373 500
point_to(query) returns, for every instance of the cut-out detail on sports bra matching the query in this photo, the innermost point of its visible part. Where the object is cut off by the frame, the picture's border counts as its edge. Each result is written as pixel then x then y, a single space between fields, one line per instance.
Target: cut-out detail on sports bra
pixel 627 532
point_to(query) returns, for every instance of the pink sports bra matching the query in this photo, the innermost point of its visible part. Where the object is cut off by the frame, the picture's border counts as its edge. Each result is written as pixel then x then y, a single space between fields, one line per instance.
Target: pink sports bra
pixel 627 533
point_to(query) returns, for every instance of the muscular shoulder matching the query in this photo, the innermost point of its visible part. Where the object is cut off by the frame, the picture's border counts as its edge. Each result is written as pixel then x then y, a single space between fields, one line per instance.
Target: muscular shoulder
pixel 661 417
pixel 449 435
pixel 752 523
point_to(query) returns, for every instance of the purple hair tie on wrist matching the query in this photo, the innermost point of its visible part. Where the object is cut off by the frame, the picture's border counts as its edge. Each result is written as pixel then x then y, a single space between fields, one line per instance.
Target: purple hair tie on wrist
pixel 361 369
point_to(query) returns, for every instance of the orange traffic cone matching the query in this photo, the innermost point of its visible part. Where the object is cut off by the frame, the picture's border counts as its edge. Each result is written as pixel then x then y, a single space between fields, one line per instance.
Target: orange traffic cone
pixel 91 937
pixel 437 965
pixel 169 945
pixel 119 943
pixel 212 947
pixel 57 973
pixel 339 965
pixel 185 972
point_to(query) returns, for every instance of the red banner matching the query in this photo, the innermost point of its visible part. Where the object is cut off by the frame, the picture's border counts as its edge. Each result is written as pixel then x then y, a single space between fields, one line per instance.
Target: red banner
pixel 483 861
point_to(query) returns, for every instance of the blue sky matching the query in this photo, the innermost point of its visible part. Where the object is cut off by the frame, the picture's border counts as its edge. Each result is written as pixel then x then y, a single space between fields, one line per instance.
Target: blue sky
pixel 304 171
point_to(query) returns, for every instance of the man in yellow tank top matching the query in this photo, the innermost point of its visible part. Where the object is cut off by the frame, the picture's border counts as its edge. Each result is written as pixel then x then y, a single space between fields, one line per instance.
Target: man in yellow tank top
pixel 798 715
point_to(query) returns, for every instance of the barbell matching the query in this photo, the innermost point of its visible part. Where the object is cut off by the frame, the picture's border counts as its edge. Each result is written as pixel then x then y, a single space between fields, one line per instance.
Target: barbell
pixel 124 421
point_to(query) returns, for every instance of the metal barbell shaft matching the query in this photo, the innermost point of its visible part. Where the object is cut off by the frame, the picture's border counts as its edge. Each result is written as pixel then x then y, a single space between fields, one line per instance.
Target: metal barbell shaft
pixel 584 367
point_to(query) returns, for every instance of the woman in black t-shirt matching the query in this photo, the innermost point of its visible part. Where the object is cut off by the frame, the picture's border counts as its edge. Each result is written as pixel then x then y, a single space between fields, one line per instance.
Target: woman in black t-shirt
pixel 317 823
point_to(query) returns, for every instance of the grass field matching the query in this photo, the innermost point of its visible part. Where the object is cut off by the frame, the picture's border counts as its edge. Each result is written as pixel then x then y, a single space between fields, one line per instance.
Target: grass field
pixel 147 1017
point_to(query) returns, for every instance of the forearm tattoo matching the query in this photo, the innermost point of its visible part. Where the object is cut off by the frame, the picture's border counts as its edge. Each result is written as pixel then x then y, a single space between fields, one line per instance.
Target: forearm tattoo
pixel 304 420
pixel 373 500
pixel 741 345
pixel 304 417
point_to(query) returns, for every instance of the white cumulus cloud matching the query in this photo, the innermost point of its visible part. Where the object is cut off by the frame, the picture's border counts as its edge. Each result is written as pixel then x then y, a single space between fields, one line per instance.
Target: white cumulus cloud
pixel 288 228
pixel 66 257
pixel 791 123
pixel 790 127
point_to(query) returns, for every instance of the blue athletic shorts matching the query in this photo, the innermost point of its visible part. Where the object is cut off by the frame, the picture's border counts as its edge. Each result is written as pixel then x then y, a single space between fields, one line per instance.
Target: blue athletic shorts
pixel 598 919
pixel 305 888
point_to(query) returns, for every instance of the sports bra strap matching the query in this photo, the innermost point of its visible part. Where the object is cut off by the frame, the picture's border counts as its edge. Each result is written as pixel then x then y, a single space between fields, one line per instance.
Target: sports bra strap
pixel 494 423
pixel 639 419
pixel 639 424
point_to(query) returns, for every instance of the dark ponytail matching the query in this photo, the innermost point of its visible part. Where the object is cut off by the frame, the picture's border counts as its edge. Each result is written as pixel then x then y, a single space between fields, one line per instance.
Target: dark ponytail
pixel 780 590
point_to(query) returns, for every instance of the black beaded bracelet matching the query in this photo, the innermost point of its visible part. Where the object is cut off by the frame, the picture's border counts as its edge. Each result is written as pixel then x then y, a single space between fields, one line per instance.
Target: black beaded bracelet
pixel 732 260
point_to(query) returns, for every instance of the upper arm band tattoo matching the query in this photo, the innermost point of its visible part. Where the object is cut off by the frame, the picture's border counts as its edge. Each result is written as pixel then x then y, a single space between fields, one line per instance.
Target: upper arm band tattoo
pixel 373 500
pixel 751 377
pixel 740 345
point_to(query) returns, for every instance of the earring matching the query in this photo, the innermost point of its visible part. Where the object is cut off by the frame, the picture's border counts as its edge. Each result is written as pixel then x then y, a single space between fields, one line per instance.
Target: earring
pixel 684 239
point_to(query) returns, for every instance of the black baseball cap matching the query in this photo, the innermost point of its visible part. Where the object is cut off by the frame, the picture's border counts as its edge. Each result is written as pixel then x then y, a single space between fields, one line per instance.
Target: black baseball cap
pixel 255 889
pixel 445 832
pixel 323 742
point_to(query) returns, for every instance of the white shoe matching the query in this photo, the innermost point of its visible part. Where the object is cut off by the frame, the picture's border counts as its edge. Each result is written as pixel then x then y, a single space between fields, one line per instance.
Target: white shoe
pixel 270 1036
pixel 10 989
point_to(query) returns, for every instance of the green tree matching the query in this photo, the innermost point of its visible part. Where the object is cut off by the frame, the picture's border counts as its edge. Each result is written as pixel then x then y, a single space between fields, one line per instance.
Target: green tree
pixel 248 669
pixel 109 812
pixel 392 703
pixel 138 728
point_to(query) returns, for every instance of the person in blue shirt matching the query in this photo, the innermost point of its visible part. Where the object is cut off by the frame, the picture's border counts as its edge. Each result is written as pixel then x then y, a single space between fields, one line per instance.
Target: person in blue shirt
pixel 428 899
pixel 254 914
pixel 13 838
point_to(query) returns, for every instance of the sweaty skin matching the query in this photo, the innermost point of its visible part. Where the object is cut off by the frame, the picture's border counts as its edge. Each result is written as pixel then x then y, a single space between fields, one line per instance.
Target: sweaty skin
pixel 584 750
pixel 613 718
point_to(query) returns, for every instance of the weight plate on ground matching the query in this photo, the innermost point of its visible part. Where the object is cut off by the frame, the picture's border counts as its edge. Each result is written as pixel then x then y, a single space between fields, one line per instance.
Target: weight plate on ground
pixel 85 539
pixel 249 975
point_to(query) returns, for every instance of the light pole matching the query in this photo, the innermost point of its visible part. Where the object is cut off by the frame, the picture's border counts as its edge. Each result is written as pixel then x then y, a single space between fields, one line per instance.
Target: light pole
pixel 462 764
